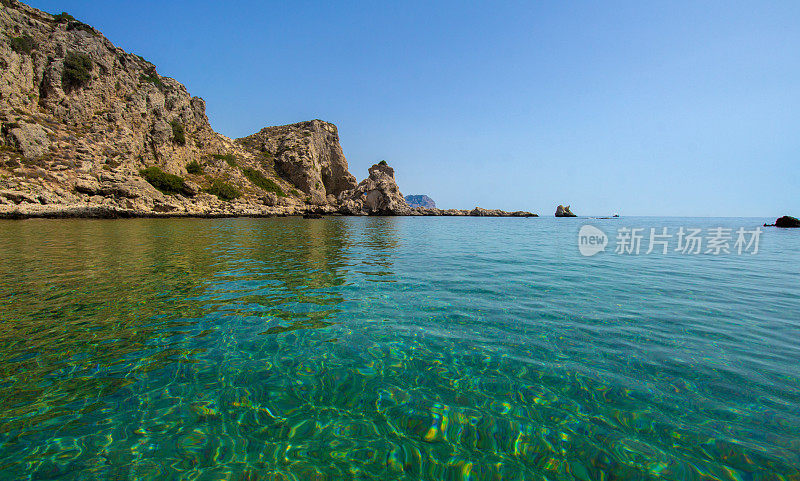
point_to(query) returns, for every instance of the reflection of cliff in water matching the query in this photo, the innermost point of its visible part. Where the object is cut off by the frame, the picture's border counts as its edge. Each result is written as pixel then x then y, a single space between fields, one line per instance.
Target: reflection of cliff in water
pixel 88 308
pixel 378 243
pixel 88 300
pixel 285 272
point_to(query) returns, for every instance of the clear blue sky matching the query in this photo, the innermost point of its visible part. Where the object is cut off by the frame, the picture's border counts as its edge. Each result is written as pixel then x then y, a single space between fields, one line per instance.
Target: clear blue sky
pixel 641 108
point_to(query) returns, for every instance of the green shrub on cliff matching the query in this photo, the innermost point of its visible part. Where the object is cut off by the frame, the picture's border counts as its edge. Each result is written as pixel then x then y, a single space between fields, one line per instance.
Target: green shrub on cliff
pixel 23 45
pixel 76 25
pixel 154 79
pixel 63 17
pixel 194 167
pixel 262 181
pixel 178 134
pixel 166 183
pixel 77 70
pixel 229 158
pixel 382 162
pixel 223 190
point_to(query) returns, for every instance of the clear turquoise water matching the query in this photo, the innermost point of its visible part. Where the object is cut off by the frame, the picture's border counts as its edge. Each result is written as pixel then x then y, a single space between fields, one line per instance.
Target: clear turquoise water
pixel 392 348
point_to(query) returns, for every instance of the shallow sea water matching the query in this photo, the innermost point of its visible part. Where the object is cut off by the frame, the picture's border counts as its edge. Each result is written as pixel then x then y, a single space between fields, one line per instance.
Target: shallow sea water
pixel 392 348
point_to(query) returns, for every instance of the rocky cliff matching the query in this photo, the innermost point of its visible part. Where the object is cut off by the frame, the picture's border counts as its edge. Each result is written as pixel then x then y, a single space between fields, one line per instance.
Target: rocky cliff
pixel 308 155
pixel 87 129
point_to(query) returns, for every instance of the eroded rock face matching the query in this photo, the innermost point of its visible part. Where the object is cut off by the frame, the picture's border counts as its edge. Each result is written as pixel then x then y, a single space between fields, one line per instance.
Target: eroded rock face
pixel 62 136
pixel 562 211
pixel 378 194
pixel 73 104
pixel 308 155
pixel 30 139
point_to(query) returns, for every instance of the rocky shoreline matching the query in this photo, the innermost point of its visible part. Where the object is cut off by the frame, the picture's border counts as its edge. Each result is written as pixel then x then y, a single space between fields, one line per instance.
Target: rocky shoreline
pixel 110 196
pixel 113 212
pixel 89 130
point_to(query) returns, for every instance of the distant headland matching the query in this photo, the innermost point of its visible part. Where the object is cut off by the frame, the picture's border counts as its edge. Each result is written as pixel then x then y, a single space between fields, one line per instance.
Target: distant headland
pixel 420 200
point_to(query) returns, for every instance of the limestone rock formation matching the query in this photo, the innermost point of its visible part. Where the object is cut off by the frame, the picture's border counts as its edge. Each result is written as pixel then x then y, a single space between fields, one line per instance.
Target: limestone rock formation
pixel 80 119
pixel 378 194
pixel 308 155
pixel 562 211
pixel 420 200
pixel 29 139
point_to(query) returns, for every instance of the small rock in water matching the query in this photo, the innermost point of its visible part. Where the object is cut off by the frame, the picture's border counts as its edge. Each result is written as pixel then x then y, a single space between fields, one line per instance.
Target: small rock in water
pixel 562 211
pixel 787 221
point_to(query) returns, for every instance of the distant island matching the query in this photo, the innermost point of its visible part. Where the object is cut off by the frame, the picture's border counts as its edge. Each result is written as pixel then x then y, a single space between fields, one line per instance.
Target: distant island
pixel 420 201
pixel 88 130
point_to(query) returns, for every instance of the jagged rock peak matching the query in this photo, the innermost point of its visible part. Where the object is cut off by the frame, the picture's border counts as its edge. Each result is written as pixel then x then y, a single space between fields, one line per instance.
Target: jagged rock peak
pixel 562 211
pixel 378 194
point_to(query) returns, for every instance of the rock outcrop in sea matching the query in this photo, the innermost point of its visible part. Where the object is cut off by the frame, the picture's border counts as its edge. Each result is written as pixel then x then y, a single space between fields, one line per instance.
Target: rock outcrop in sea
pixel 786 221
pixel 378 194
pixel 87 129
pixel 562 211
pixel 420 200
